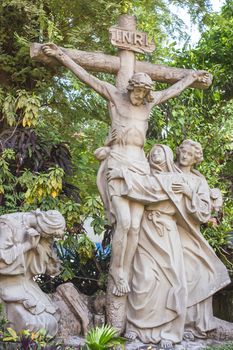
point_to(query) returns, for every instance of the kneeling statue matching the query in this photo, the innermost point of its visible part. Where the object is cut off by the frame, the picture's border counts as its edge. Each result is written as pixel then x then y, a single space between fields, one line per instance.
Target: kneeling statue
pixel 26 250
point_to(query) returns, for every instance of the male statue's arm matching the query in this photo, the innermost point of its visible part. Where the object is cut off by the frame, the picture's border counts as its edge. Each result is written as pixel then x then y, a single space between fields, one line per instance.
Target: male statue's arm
pixel 177 88
pixel 103 88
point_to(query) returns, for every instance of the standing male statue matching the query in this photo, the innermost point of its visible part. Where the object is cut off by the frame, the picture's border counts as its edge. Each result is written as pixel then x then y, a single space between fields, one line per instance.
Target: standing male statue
pixel 129 112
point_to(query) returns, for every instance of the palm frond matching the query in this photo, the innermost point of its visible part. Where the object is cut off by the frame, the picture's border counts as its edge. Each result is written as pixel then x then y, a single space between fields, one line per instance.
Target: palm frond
pixel 102 338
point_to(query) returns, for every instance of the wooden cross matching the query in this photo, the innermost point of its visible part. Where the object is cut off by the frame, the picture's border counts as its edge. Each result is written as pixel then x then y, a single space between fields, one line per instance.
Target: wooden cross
pixel 128 40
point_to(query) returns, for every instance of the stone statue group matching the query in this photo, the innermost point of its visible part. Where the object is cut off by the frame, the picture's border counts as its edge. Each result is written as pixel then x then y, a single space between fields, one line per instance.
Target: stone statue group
pixel 174 272
pixel 161 265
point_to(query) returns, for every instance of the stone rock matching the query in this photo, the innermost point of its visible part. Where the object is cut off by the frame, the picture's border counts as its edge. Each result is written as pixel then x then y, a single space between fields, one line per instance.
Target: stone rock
pixel 224 331
pixel 74 341
pixel 223 303
pixel 75 317
pixel 98 308
pixel 184 345
pixel 138 345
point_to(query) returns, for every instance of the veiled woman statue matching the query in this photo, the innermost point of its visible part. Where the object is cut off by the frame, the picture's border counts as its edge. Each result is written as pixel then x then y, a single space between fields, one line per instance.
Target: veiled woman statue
pixel 175 271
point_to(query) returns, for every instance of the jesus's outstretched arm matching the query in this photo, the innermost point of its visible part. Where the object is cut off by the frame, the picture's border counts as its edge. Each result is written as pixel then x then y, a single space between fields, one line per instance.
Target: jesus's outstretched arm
pixel 101 87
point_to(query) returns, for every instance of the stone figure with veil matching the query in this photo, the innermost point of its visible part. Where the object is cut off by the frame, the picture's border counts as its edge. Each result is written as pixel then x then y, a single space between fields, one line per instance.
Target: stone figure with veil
pixel 175 271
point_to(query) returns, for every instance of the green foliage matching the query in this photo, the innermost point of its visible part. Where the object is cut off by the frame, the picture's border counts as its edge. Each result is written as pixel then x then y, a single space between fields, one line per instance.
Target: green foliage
pixel 83 264
pixel 29 105
pixel 85 249
pixel 227 346
pixel 27 340
pixel 8 109
pixel 205 116
pixel 10 335
pixel 43 185
pixel 22 108
pixel 3 321
pixel 219 238
pixel 6 177
pixel 100 338
pixel 93 208
pixel 103 338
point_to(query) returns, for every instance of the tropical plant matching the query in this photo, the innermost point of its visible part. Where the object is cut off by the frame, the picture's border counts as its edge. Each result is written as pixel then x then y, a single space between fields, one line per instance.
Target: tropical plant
pixel 3 321
pixel 103 338
pixel 83 263
pixel 26 340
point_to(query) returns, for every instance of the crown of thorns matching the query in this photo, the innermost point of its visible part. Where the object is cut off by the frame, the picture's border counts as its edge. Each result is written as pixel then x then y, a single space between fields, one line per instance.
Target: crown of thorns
pixel 140 80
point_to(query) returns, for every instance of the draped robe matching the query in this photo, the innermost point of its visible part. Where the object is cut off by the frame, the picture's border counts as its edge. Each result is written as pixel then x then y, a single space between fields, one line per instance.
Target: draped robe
pixel 27 307
pixel 175 271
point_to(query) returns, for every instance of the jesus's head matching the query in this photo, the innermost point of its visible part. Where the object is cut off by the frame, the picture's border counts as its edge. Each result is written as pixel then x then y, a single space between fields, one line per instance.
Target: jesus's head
pixel 140 89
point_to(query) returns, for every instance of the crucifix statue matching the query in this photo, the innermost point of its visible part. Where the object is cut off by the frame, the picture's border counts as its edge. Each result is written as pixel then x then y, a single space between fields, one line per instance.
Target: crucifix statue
pixel 130 103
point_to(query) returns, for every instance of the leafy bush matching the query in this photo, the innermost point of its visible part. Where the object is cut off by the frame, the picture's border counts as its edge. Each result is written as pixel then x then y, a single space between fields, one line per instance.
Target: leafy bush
pixel 3 321
pixel 103 338
pixel 26 340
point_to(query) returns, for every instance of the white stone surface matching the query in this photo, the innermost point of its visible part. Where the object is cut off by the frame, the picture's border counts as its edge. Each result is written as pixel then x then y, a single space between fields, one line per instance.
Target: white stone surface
pixel 137 345
pixel 26 250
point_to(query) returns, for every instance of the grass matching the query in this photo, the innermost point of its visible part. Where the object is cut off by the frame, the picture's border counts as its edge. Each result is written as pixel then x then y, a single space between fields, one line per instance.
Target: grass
pixel 228 346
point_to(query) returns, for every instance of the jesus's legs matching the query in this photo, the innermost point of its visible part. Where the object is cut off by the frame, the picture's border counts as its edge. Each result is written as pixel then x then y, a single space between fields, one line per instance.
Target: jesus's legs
pixel 122 212
pixel 136 213
pixel 125 240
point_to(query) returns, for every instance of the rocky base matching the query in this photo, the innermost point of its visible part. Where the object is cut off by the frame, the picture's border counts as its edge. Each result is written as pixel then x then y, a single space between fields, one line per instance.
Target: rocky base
pixel 74 341
pixel 185 345
pixel 137 345
pixel 224 331
pixel 223 303
pixel 223 334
